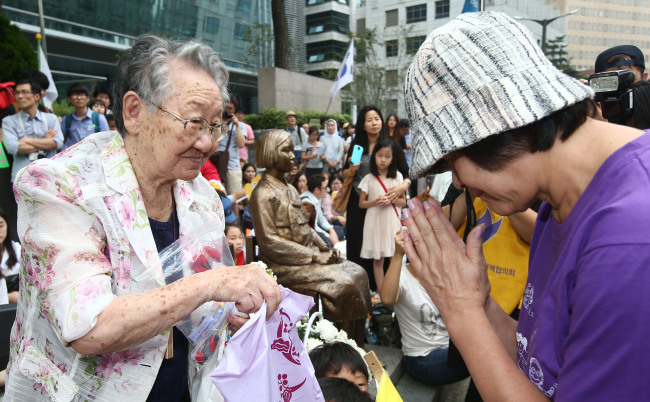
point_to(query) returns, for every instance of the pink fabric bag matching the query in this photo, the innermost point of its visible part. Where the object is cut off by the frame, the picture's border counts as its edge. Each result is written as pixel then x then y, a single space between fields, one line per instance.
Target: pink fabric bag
pixel 266 360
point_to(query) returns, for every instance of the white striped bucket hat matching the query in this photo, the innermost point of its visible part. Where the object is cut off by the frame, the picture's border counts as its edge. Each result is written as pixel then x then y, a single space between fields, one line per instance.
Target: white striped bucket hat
pixel 479 75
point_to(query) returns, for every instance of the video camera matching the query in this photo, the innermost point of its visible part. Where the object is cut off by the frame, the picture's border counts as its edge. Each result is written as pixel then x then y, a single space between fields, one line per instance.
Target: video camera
pixel 615 94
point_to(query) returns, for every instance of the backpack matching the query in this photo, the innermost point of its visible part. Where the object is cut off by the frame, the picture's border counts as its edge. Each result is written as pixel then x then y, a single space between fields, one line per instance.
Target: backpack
pixel 68 124
pixel 384 323
pixel 7 94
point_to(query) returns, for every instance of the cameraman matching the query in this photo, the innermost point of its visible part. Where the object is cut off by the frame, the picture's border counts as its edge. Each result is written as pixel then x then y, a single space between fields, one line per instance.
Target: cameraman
pixel 621 99
pixel 234 140
pixel 30 134
pixel 624 57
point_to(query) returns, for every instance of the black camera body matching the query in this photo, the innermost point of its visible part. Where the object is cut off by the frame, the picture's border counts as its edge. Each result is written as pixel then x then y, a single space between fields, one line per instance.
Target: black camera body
pixel 225 116
pixel 615 94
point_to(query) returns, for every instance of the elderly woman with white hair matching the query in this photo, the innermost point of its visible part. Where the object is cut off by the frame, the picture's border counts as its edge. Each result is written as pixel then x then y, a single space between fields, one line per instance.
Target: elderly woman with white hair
pixel 93 311
pixel 485 103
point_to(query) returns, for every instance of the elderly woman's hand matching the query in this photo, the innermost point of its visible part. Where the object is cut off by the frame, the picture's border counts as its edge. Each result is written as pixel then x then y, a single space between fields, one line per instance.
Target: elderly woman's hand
pixel 248 286
pixel 454 276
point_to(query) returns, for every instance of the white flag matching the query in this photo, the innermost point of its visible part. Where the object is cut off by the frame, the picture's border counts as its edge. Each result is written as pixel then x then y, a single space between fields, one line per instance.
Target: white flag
pixel 51 94
pixel 344 77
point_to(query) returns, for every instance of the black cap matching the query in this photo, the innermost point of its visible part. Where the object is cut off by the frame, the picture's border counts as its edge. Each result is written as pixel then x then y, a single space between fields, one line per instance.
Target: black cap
pixel 404 123
pixel 630 50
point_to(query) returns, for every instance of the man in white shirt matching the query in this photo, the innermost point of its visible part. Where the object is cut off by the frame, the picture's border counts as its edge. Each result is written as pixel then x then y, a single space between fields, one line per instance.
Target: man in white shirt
pixel 298 135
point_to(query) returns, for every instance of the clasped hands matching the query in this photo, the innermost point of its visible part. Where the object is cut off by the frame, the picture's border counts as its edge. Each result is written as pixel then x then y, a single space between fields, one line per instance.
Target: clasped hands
pixel 453 274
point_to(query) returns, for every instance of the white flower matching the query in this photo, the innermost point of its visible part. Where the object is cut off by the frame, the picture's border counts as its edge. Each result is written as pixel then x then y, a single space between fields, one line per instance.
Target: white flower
pixel 327 331
pixel 312 343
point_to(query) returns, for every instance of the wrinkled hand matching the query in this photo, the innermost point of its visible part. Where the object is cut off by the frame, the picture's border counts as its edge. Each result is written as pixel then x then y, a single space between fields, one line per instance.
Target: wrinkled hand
pixel 248 286
pixel 327 257
pixel 454 275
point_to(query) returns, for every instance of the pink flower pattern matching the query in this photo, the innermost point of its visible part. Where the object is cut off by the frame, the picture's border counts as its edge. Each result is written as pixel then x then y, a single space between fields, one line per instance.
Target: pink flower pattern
pixel 112 363
pixel 127 215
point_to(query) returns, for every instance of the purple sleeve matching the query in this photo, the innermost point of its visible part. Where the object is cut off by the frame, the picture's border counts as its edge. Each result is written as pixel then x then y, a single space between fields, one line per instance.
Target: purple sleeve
pixel 606 351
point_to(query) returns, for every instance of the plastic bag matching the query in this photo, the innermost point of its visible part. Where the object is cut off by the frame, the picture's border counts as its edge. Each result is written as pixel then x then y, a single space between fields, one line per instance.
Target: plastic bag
pixel 206 327
pixel 266 360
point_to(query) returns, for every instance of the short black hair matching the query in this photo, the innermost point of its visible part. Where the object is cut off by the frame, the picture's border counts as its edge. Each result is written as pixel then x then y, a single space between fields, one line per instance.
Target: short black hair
pixel 313 129
pixel 392 168
pixel 323 119
pixel 240 109
pixel 314 181
pixel 35 75
pixel 34 86
pixel 103 90
pixel 496 151
pixel 337 389
pixel 96 101
pixel 77 88
pixel 109 118
pixel 230 226
pixel 329 358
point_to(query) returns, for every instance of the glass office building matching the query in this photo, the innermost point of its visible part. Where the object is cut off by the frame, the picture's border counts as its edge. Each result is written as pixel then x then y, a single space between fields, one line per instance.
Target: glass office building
pixel 84 37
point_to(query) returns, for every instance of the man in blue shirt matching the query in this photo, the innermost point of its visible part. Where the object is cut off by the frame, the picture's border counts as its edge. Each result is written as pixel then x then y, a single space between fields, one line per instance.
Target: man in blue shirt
pixel 81 123
pixel 30 134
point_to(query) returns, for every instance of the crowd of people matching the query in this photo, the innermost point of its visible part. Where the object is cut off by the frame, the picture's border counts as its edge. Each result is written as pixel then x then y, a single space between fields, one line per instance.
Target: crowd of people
pixel 534 304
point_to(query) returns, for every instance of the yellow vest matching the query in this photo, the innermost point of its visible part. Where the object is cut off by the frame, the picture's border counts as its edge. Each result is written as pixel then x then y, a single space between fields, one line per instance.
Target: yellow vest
pixel 506 255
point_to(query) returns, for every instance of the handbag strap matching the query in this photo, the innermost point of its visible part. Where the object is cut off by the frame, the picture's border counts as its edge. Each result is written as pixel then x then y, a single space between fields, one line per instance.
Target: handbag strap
pixel 314 149
pixel 394 207
pixel 232 126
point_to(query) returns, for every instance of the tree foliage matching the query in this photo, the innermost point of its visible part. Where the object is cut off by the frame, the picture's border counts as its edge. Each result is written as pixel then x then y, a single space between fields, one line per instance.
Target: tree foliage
pixel 376 80
pixel 260 50
pixel 275 118
pixel 16 54
pixel 557 54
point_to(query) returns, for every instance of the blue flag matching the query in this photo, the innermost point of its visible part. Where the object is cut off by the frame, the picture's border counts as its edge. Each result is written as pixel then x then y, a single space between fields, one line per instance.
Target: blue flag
pixel 471 6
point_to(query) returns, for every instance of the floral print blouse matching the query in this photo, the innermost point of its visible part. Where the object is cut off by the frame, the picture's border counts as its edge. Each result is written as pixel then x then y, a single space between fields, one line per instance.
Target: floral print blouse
pixel 86 240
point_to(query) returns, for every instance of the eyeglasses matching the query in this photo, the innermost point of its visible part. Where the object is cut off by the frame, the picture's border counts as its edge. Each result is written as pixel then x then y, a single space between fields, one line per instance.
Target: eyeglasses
pixel 196 127
pixel 25 92
pixel 78 95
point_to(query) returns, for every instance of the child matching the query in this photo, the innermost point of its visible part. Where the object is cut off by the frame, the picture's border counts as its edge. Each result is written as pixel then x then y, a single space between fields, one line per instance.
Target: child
pixel 341 360
pixel 341 390
pixel 383 216
pixel 314 153
pixel 235 238
pixel 425 341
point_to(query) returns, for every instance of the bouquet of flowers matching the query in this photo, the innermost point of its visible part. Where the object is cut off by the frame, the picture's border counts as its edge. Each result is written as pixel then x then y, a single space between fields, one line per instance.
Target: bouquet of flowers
pixel 322 332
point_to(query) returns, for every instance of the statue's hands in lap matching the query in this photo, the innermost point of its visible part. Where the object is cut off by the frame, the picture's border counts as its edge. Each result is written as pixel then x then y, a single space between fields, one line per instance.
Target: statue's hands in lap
pixel 329 256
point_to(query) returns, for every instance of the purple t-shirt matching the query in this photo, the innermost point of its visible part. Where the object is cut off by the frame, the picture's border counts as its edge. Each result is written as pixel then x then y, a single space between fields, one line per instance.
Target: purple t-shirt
pixel 584 328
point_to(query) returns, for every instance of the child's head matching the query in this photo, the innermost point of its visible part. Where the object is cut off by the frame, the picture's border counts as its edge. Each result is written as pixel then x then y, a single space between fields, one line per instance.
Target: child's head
pixel 98 105
pixel 235 237
pixel 110 119
pixel 341 390
pixel 313 133
pixel 341 360
pixel 383 158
